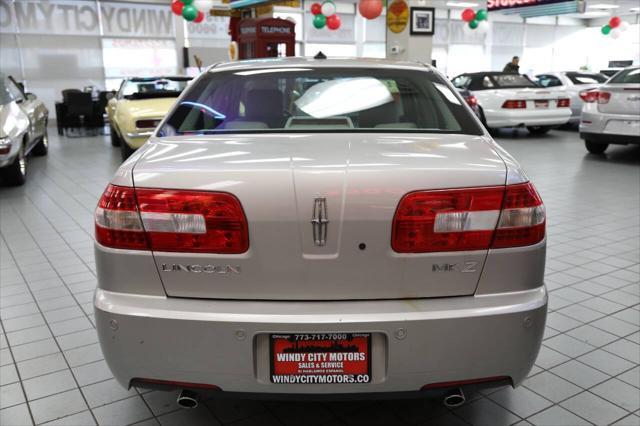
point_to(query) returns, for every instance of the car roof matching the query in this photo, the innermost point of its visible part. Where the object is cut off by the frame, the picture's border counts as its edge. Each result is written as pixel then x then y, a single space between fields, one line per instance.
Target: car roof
pixel 293 62
pixel 479 73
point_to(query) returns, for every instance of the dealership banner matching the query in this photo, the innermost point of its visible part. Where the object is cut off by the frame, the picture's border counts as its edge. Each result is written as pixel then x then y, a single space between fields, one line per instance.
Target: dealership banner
pixel 82 17
pixel 531 8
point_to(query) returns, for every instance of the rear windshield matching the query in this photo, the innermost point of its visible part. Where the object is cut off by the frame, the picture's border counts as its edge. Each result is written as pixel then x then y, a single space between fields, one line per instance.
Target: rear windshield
pixel 145 88
pixel 581 78
pixel 513 80
pixel 320 100
pixel 631 75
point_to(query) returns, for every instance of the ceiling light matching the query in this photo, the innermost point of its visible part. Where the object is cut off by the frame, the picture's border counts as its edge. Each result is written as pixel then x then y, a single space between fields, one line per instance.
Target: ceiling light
pixel 592 14
pixel 635 10
pixel 461 4
pixel 602 6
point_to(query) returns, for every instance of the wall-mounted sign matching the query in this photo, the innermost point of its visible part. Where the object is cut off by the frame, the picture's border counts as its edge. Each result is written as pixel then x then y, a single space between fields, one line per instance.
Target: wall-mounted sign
pixel 493 5
pixel 397 16
pixel 80 17
pixel 422 20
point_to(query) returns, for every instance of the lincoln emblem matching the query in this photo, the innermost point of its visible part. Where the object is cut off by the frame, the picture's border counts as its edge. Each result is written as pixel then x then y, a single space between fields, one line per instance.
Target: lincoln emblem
pixel 320 221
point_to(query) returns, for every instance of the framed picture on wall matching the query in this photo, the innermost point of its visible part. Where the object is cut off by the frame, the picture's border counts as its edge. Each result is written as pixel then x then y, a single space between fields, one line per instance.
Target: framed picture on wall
pixel 422 20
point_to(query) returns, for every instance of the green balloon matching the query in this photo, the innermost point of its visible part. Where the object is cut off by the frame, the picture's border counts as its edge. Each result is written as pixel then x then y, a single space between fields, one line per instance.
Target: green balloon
pixel 319 21
pixel 481 15
pixel 473 24
pixel 189 12
pixel 186 2
pixel 605 30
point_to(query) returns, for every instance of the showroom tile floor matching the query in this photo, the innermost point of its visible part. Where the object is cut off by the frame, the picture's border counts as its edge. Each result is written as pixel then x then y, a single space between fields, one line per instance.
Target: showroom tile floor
pixel 52 369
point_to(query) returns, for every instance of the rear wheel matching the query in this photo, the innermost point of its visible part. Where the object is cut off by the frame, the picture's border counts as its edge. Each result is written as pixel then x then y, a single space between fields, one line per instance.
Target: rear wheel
pixel 42 147
pixel 15 174
pixel 538 130
pixel 595 148
pixel 115 139
pixel 125 150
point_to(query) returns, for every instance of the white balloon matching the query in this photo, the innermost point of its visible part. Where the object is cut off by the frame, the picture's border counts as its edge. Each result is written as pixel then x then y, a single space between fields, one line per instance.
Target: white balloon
pixel 328 8
pixel 203 5
pixel 615 33
pixel 483 27
pixel 624 26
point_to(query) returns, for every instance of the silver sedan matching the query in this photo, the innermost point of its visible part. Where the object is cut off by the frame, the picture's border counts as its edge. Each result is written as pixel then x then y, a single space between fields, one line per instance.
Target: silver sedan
pixel 320 227
pixel 611 113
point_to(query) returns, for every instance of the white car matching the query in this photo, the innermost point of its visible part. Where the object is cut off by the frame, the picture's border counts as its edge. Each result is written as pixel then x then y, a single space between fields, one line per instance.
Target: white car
pixel 572 82
pixel 611 113
pixel 513 100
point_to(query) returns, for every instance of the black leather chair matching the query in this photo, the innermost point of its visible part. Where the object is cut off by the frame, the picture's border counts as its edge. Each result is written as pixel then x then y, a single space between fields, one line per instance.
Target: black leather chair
pixel 80 112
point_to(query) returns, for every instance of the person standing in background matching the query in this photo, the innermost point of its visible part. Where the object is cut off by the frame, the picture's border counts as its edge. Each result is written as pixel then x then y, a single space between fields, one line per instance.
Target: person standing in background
pixel 512 67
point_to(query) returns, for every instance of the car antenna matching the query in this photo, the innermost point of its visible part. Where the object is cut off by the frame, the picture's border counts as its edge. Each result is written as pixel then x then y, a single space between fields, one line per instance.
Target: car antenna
pixel 320 55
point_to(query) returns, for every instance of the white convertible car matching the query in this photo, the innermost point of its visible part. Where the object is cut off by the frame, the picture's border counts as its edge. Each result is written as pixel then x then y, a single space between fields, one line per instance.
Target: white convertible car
pixel 513 100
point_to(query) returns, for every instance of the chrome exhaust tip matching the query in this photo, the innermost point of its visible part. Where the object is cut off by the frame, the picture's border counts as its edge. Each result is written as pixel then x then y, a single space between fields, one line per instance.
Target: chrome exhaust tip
pixel 187 399
pixel 454 399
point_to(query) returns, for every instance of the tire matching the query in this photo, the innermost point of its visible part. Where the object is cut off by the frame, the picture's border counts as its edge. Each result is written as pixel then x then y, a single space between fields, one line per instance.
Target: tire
pixel 15 174
pixel 42 147
pixel 538 130
pixel 595 148
pixel 125 150
pixel 115 139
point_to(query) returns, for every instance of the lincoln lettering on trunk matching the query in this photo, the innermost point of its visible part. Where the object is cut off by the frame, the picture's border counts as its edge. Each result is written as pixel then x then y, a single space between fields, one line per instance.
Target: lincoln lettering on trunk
pixel 199 269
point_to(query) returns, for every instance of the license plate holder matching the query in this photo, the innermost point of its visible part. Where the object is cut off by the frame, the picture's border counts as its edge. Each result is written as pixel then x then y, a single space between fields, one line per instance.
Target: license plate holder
pixel 541 104
pixel 320 358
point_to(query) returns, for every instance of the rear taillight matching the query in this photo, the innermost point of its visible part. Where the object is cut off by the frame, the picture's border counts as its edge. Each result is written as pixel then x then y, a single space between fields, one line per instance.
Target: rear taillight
pixel 564 103
pixel 468 219
pixel 147 124
pixel 471 100
pixel 514 104
pixel 599 96
pixel 171 220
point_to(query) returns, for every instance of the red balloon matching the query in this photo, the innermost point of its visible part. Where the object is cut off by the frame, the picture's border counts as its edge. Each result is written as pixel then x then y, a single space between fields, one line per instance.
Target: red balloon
pixel 176 7
pixel 370 9
pixel 468 15
pixel 333 22
pixel 316 8
pixel 614 22
pixel 199 18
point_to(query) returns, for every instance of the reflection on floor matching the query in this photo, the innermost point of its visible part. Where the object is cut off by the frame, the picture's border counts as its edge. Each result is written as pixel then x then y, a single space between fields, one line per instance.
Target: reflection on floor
pixel 587 371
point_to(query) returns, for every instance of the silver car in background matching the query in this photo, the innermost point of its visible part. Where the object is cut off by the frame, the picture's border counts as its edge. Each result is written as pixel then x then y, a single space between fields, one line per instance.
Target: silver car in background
pixel 23 130
pixel 611 113
pixel 572 83
pixel 320 227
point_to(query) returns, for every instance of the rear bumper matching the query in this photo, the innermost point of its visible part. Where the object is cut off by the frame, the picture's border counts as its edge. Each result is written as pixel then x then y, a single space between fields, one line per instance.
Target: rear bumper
pixel 610 139
pixel 527 117
pixel 414 342
pixel 596 127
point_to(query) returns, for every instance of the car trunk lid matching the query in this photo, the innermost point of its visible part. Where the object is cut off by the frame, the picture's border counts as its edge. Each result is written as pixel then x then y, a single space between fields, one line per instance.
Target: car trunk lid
pixel 354 181
pixel 624 99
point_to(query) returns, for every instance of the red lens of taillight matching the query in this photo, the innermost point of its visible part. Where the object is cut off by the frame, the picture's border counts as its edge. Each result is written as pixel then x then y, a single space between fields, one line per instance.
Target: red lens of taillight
pixel 599 96
pixel 514 104
pixel 523 218
pixel 171 220
pixel 468 219
pixel 447 220
pixel 564 103
pixel 472 101
pixel 117 221
pixel 193 221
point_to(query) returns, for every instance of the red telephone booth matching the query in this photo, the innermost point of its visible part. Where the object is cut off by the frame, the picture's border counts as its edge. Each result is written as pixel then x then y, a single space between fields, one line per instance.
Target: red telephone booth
pixel 266 38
